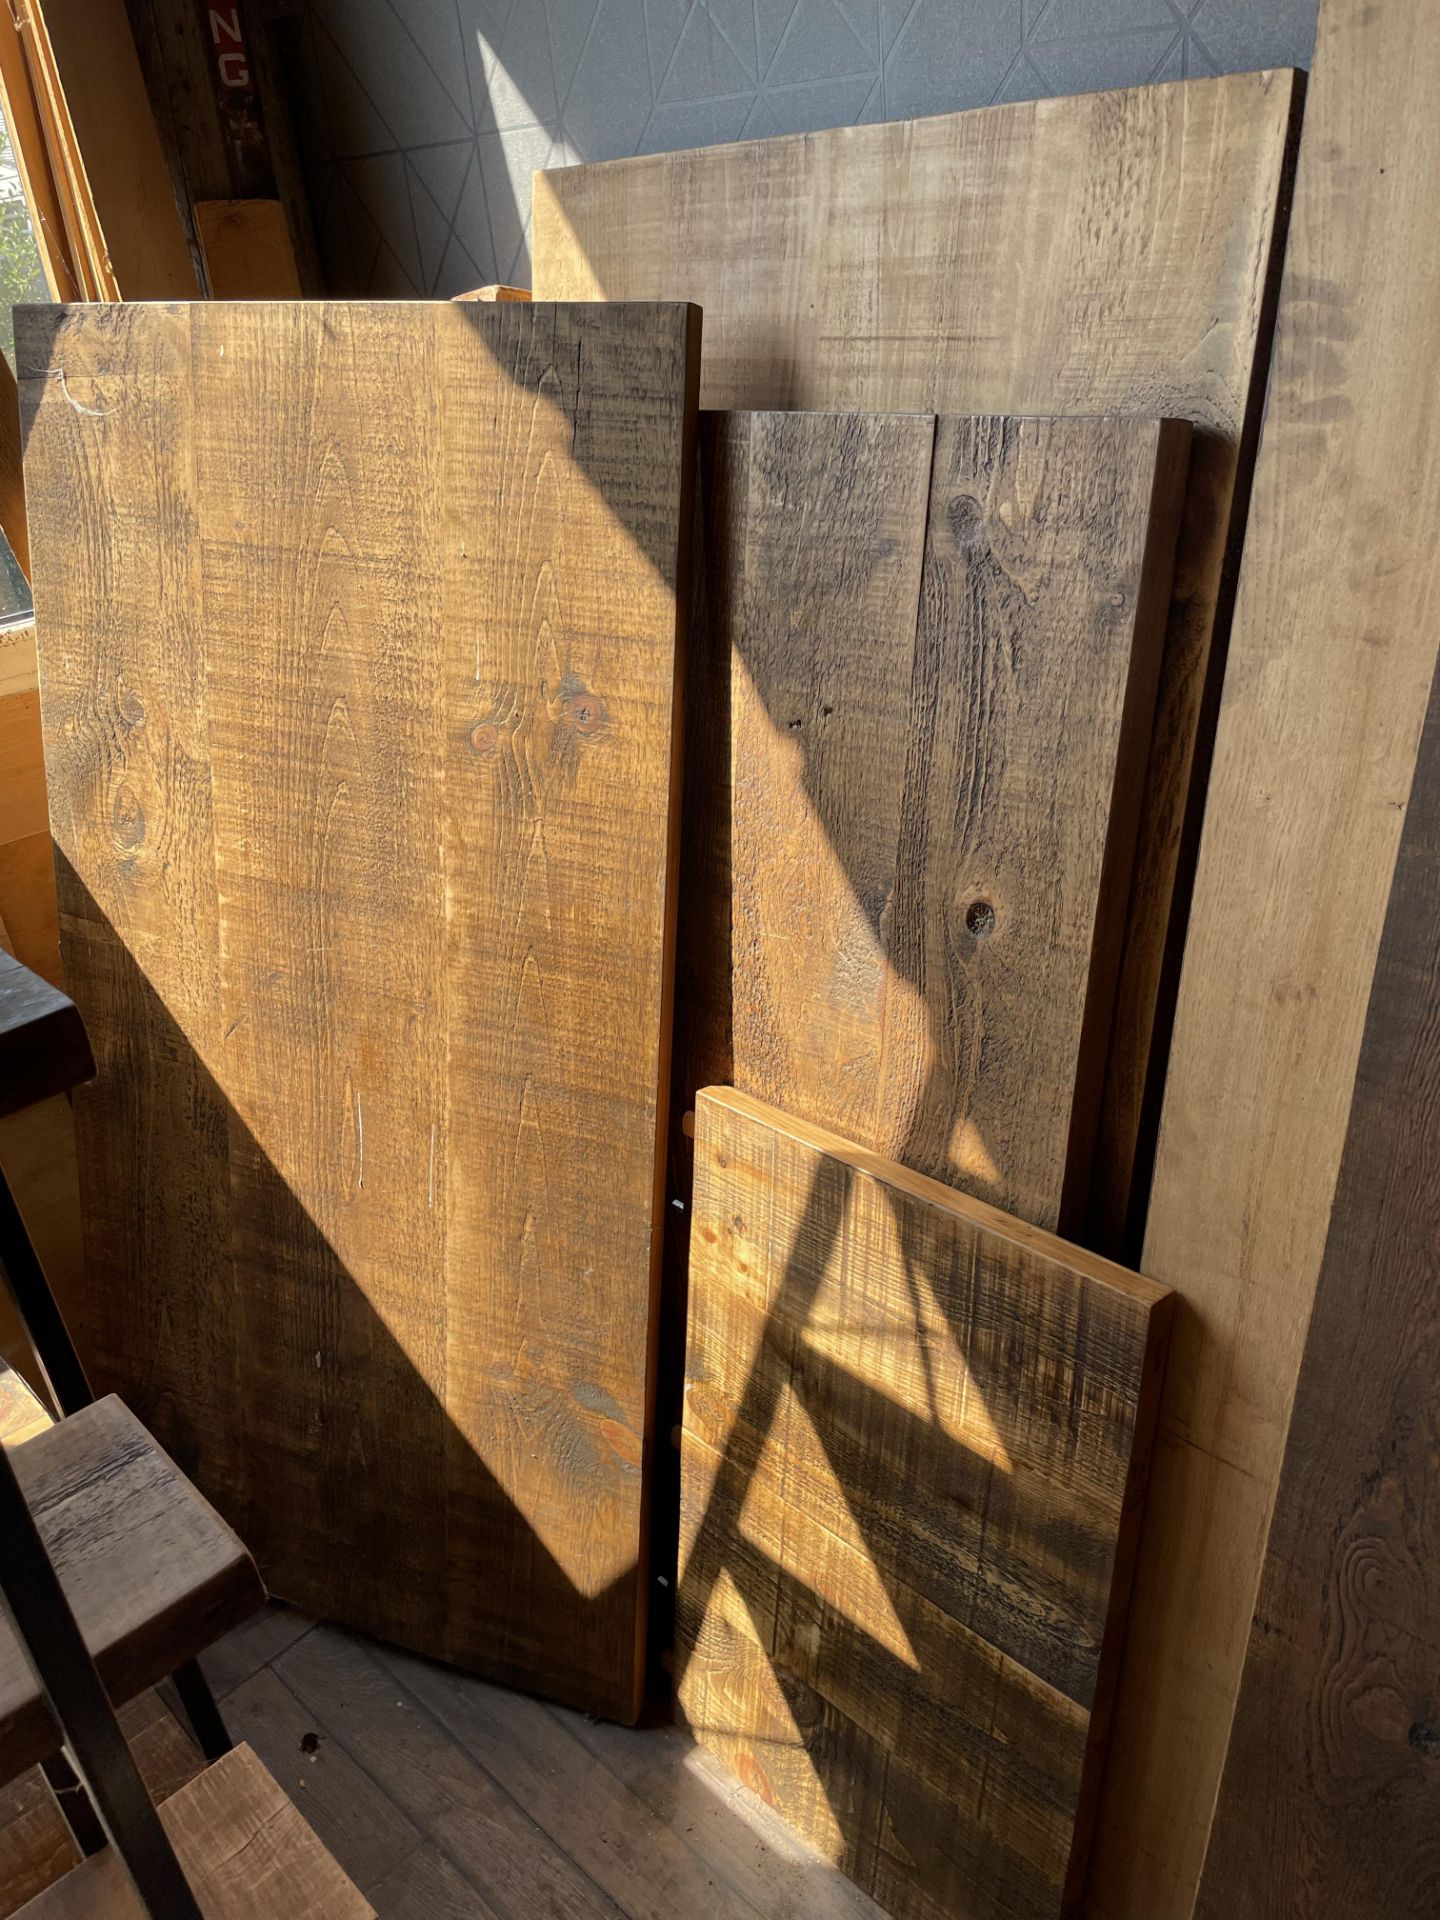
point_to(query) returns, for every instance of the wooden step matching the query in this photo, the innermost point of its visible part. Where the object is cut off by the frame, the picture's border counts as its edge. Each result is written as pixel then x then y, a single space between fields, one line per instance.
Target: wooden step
pixel 152 1572
pixel 245 1849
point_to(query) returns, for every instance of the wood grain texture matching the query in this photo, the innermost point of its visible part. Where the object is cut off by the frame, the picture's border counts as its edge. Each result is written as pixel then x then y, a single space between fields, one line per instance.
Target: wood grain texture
pixel 245 1850
pixel 151 1572
pixel 1330 665
pixel 247 250
pixel 913 1452
pixel 363 774
pixel 1330 1801
pixel 941 692
pixel 1110 253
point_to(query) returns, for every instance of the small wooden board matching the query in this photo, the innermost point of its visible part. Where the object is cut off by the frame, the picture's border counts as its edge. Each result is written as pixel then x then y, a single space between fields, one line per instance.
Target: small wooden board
pixel 152 1573
pixel 924 659
pixel 246 1851
pixel 359 696
pixel 914 1447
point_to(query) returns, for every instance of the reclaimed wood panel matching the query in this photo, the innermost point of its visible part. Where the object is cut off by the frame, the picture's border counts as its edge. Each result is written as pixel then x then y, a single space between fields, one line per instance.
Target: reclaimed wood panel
pixel 1109 253
pixel 359 720
pixel 913 1452
pixel 1331 1795
pixel 940 699
pixel 1330 666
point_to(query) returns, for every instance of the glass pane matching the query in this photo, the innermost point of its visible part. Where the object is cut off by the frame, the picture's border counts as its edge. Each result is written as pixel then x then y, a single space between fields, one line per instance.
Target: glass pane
pixel 22 282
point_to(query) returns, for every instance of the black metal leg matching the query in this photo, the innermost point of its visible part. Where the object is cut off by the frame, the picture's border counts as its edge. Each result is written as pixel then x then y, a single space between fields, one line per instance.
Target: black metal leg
pixel 74 1804
pixel 50 1337
pixel 201 1710
pixel 35 1604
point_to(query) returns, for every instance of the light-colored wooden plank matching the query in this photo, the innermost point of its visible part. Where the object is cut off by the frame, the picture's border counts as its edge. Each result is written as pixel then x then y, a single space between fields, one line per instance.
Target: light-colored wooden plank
pixel 244 1848
pixel 363 772
pixel 932 1716
pixel 1109 253
pixel 247 248
pixel 940 699
pixel 1330 664
pixel 495 292
pixel 1330 1801
pixel 151 1572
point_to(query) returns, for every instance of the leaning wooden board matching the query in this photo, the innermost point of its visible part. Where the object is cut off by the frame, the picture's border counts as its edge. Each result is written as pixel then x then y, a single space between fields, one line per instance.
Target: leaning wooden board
pixel 1111 253
pixel 358 631
pixel 1330 667
pixel 1331 1796
pixel 927 652
pixel 913 1455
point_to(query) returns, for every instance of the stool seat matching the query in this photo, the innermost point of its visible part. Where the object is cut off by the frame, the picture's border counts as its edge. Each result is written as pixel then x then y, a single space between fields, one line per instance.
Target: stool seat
pixel 247 1853
pixel 151 1571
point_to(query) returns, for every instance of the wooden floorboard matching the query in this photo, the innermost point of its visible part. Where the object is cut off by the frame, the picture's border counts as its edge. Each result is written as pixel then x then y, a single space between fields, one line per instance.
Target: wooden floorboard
pixel 443 1796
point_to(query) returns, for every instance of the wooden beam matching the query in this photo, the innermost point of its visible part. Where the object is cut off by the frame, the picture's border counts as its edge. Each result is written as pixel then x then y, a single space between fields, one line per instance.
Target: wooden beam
pixel 120 207
pixel 247 249
pixel 1330 666
pixel 1331 1797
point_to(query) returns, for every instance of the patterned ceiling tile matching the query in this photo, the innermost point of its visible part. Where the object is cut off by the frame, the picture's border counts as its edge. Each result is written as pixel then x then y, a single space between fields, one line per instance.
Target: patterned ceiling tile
pixel 611 99
pixel 437 178
pixel 704 65
pixel 1077 19
pixel 820 44
pixel 382 182
pixel 513 81
pixel 1241 33
pixel 772 19
pixel 948 56
pixel 695 123
pixel 1112 60
pixel 831 103
pixel 409 97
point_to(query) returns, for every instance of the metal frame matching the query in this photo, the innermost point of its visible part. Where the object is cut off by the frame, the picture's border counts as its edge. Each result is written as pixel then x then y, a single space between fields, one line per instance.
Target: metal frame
pixel 35 1604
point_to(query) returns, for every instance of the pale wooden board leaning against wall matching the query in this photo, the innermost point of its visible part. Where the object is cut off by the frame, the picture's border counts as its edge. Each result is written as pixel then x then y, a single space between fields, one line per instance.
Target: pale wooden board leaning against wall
pixel 913 1458
pixel 1330 664
pixel 359 643
pixel 1109 253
